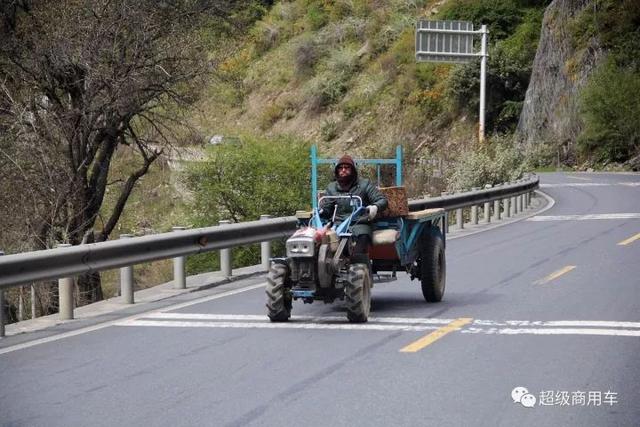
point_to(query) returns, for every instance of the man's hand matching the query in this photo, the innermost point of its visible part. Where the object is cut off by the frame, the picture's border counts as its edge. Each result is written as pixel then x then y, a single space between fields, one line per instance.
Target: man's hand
pixel 373 211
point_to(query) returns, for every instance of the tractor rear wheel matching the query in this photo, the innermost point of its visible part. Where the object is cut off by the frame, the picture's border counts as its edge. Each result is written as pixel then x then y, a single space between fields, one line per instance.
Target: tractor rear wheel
pixel 433 266
pixel 278 298
pixel 358 293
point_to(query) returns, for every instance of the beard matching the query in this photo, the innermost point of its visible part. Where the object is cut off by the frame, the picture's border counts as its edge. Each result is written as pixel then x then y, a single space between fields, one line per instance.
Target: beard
pixel 345 180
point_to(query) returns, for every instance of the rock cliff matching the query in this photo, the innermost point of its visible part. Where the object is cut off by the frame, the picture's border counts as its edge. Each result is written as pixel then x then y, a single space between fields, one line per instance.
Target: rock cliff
pixel 550 111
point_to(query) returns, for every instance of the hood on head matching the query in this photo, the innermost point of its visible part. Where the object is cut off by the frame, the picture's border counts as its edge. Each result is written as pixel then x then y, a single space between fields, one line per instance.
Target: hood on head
pixel 346 160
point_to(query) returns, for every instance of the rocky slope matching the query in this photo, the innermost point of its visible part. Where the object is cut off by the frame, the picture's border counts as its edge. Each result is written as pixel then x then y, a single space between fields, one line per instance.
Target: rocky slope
pixel 551 109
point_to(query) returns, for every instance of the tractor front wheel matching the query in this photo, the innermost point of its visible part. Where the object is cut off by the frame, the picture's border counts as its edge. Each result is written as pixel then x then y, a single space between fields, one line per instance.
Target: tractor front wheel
pixel 358 293
pixel 278 298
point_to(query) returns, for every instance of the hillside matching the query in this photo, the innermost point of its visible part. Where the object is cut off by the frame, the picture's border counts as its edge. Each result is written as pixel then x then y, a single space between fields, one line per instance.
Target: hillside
pixel 342 74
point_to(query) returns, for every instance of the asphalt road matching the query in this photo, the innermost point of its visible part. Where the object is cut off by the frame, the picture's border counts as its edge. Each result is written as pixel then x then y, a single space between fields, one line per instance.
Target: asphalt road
pixel 551 304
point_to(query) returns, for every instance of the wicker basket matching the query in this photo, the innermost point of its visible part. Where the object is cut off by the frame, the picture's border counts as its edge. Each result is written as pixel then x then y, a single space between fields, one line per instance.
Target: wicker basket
pixel 398 202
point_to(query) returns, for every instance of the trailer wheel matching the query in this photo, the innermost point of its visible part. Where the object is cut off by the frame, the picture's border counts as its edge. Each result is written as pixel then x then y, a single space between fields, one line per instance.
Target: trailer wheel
pixel 278 299
pixel 433 266
pixel 358 293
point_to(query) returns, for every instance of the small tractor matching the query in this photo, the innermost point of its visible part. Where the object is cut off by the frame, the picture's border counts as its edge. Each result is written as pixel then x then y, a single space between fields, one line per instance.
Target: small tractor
pixel 318 266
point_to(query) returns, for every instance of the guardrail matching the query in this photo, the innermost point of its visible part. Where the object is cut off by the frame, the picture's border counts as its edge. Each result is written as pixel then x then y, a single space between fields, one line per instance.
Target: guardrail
pixel 65 262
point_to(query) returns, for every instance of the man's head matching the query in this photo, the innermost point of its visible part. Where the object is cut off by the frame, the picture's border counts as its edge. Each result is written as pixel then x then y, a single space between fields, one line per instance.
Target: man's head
pixel 345 170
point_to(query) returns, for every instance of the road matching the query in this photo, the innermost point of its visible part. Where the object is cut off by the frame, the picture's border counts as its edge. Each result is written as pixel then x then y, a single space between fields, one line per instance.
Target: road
pixel 551 304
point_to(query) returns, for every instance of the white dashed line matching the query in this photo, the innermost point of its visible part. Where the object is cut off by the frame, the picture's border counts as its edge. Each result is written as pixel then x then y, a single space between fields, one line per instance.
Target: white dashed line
pixel 585 217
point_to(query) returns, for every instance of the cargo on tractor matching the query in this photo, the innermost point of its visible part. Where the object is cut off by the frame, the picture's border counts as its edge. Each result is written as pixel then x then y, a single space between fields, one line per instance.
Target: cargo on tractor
pixel 319 265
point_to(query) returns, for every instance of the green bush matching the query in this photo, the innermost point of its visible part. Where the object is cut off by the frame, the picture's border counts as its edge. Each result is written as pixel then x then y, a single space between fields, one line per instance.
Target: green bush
pixel 500 16
pixel 494 162
pixel 326 89
pixel 317 16
pixel 244 180
pixel 610 108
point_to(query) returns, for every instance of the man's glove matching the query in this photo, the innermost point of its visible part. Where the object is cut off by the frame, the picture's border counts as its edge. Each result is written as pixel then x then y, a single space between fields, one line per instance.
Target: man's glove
pixel 373 211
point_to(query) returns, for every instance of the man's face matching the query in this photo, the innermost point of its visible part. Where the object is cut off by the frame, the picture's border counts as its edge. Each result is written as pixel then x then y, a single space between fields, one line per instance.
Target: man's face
pixel 344 171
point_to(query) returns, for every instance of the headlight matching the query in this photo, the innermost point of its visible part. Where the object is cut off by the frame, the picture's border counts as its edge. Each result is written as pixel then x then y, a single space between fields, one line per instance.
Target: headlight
pixel 300 247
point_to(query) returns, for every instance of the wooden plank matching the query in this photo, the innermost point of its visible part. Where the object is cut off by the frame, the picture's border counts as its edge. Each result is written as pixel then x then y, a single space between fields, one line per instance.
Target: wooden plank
pixel 425 213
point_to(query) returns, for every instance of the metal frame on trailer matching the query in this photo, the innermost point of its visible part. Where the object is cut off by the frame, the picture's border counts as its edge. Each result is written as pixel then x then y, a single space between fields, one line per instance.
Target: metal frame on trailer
pixel 315 161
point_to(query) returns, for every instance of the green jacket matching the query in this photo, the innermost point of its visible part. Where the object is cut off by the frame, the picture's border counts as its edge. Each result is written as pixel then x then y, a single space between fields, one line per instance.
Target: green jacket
pixel 360 187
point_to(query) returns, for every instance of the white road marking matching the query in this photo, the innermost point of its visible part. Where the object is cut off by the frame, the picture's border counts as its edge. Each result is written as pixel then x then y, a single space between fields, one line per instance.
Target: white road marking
pixel 406 324
pixel 316 319
pixel 559 323
pixel 585 217
pixel 269 325
pixel 590 184
pixel 554 331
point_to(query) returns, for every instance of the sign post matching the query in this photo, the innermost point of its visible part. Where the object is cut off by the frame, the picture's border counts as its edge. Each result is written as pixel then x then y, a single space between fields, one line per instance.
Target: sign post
pixel 452 41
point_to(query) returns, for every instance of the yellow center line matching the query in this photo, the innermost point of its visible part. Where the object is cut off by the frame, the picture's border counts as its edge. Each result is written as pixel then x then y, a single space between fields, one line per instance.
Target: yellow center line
pixel 436 335
pixel 555 275
pixel 578 177
pixel 629 240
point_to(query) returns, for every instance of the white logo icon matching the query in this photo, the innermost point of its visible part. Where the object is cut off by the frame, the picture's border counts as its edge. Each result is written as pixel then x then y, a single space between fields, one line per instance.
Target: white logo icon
pixel 521 395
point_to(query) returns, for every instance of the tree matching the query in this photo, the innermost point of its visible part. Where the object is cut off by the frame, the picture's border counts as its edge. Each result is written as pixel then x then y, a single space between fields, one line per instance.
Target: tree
pixel 242 180
pixel 78 80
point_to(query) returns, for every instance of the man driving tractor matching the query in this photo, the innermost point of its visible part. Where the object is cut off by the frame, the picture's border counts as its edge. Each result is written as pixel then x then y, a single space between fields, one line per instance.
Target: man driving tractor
pixel 347 183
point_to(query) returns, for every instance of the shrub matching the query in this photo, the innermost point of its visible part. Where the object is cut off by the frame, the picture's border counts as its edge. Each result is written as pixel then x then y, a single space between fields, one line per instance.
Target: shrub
pixel 306 54
pixel 494 162
pixel 610 109
pixel 241 181
pixel 326 89
pixel 329 129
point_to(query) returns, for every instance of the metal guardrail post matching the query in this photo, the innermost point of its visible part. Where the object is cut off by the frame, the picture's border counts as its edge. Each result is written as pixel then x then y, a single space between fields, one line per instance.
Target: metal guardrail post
pixel 486 211
pixel 225 255
pixel 474 214
pixel 496 210
pixel 507 212
pixel 459 219
pixel 519 206
pixel 179 271
pixel 1 308
pixel 126 279
pixel 265 248
pixel 65 294
pixel 513 206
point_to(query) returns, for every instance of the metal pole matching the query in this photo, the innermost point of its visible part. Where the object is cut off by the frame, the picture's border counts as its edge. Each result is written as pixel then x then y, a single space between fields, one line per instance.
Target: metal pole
pixel 314 176
pixel 65 294
pixel 459 219
pixel 483 78
pixel 1 308
pixel 225 255
pixel 265 248
pixel 506 204
pixel 179 273
pixel 126 279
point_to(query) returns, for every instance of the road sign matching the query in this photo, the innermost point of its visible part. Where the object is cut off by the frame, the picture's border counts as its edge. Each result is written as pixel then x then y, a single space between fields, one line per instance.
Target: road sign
pixel 445 41
pixel 452 41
